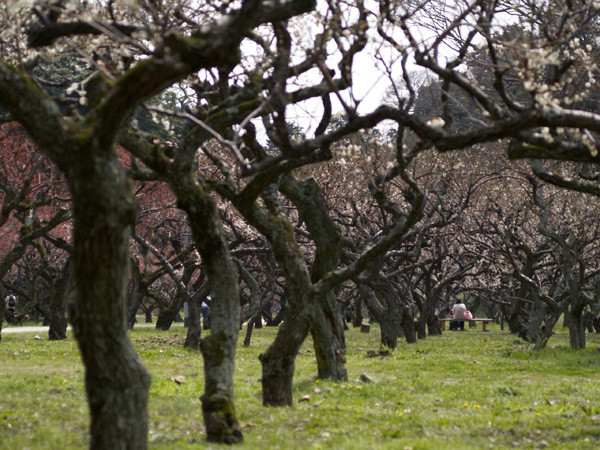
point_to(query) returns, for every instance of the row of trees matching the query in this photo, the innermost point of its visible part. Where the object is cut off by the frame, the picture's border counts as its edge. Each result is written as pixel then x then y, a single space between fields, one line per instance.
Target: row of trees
pixel 224 196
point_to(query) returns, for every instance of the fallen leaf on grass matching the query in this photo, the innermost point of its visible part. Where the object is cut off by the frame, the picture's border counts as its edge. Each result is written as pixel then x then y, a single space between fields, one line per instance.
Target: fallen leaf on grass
pixel 304 398
pixel 179 379
pixel 365 378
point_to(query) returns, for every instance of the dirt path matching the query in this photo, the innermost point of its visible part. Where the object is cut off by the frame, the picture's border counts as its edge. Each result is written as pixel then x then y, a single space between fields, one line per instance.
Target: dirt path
pixel 12 330
pixel 25 329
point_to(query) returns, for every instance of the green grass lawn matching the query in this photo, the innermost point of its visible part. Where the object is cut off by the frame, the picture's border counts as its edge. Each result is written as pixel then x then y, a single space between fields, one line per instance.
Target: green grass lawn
pixel 460 390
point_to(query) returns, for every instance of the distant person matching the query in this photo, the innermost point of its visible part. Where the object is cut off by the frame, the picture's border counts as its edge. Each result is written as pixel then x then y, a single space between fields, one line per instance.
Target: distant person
pixel 206 315
pixel 11 303
pixel 458 313
pixel 205 309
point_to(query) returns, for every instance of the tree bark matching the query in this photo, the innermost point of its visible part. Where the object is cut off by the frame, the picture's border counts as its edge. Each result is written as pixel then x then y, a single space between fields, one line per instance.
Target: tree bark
pixel 390 331
pixel 577 328
pixel 358 317
pixel 433 325
pixel 218 349
pixel 136 296
pixel 116 382
pixel 57 309
pixel 329 341
pixel 278 361
pixel 408 325
pixel 386 307
pixel 327 326
pixel 194 332
pixel 168 315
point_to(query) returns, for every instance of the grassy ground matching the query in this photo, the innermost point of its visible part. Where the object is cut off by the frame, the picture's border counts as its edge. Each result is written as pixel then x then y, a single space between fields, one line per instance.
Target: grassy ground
pixel 461 390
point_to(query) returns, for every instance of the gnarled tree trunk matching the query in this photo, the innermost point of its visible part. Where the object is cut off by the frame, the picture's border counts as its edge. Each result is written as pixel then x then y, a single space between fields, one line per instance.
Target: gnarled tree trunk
pixel 577 326
pixel 327 326
pixel 57 309
pixel 329 341
pixel 194 332
pixel 385 310
pixel 218 349
pixel 136 296
pixel 278 361
pixel 168 315
pixel 116 382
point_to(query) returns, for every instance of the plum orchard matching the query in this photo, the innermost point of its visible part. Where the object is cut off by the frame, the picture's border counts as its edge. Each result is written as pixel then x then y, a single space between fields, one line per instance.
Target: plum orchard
pixel 523 72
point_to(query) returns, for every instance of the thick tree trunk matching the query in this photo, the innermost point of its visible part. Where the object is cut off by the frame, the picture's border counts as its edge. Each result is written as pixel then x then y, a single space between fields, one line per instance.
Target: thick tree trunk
pixel 421 330
pixel 390 331
pixel 218 349
pixel 382 311
pixel 115 380
pixel 542 319
pixel 135 299
pixel 329 340
pixel 194 332
pixel 577 328
pixel 427 319
pixel 57 309
pixel 278 361
pixel 408 325
pixel 433 326
pixel 513 315
pixel 358 316
pixel 168 315
pixel 327 326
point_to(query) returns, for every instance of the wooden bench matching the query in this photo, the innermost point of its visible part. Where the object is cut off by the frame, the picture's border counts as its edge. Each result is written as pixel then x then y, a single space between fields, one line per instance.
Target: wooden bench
pixel 483 321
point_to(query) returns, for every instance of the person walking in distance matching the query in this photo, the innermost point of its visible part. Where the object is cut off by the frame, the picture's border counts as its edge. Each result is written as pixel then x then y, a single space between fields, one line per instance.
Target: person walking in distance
pixel 11 304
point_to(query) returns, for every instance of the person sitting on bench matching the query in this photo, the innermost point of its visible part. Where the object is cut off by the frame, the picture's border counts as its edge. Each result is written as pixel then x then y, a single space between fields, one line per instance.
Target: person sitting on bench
pixel 458 313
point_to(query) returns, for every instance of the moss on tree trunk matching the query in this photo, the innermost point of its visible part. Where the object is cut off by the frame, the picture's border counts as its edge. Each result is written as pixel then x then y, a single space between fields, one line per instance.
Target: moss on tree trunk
pixel 115 380
pixel 218 349
pixel 218 406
